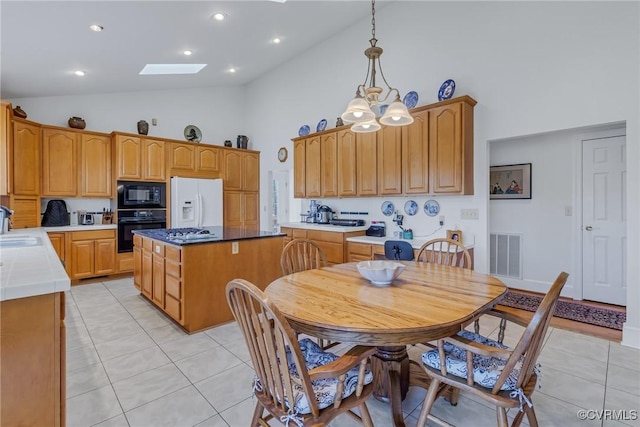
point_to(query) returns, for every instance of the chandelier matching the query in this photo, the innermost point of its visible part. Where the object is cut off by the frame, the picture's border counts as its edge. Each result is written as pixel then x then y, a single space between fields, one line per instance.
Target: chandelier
pixel 368 95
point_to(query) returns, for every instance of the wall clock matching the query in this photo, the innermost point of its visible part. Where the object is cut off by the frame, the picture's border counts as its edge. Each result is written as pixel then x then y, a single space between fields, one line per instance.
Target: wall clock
pixel 282 154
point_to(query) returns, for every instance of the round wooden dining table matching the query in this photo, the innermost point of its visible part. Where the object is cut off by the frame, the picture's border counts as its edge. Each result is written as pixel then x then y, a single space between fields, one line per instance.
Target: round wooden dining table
pixel 426 302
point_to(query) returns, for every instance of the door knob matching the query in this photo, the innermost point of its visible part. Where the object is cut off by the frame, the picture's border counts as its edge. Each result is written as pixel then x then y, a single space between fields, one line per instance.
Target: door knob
pixel 588 228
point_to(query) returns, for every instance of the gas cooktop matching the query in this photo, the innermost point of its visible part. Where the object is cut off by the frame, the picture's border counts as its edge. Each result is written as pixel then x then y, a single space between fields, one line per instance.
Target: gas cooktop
pixel 183 234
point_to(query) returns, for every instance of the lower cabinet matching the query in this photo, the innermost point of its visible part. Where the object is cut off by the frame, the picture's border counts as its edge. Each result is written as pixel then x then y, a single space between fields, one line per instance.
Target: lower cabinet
pixel 332 243
pixel 241 209
pixel 91 253
pixel 57 240
pixel 365 252
pixel 33 361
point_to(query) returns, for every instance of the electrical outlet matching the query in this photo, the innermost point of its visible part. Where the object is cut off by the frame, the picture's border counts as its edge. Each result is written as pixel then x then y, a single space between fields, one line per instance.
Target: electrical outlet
pixel 469 214
pixel 235 248
pixel 441 219
pixel 154 122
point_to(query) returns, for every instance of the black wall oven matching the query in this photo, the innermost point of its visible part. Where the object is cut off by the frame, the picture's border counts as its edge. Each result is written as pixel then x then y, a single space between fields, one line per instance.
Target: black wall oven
pixel 137 220
pixel 141 195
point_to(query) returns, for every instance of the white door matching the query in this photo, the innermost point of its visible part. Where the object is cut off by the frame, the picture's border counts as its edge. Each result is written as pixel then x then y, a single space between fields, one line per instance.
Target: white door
pixel 278 198
pixel 604 255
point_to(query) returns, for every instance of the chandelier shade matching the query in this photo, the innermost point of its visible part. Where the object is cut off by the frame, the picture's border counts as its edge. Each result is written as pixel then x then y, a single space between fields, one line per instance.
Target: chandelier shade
pixel 368 94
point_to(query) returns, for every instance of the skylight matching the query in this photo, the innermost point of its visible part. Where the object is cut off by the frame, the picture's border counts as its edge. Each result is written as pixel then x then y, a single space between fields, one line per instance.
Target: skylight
pixel 172 68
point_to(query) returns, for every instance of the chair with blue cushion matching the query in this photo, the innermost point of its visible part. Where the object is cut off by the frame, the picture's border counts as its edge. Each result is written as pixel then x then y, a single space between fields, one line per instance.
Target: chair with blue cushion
pixel 490 370
pixel 297 383
pixel 398 250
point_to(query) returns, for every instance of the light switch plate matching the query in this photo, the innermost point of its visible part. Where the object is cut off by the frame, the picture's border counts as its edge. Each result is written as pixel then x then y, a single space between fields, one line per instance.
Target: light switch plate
pixel 469 214
pixel 235 248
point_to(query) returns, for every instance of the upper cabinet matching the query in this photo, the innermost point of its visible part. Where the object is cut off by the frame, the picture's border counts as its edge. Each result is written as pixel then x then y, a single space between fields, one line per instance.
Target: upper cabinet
pixel 59 162
pixel 26 158
pixel 139 159
pixel 194 160
pixel 433 155
pixel 95 165
pixel 241 170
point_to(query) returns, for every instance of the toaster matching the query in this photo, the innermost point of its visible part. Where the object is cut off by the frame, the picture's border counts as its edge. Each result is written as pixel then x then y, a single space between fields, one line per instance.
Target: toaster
pixel 86 219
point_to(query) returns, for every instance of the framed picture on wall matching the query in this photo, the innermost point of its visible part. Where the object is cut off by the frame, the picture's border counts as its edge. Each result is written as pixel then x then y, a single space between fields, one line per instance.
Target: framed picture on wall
pixel 454 235
pixel 510 181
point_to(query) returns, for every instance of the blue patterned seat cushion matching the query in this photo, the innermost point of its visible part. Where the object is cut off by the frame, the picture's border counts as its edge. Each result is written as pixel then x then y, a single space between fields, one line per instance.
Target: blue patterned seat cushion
pixel 486 370
pixel 324 389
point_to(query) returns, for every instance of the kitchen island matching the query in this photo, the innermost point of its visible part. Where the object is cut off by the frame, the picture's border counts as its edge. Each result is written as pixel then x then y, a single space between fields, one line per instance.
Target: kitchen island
pixel 185 277
pixel 32 331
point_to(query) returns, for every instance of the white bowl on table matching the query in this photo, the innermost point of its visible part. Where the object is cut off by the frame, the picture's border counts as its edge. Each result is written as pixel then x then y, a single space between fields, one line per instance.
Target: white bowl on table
pixel 380 272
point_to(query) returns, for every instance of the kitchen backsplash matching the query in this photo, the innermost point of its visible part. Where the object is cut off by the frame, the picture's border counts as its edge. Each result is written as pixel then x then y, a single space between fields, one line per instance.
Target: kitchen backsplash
pixel 93 206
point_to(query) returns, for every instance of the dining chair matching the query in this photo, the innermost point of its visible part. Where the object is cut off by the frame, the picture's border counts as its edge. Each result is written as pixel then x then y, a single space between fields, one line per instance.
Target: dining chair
pixel 300 255
pixel 296 382
pixel 489 370
pixel 398 250
pixel 445 252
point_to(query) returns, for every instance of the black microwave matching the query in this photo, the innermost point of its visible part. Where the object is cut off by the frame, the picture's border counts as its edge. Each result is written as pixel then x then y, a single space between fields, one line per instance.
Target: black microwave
pixel 136 195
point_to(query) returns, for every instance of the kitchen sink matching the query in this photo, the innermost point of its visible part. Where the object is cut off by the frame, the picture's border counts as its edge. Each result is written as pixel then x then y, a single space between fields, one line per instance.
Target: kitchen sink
pixel 19 241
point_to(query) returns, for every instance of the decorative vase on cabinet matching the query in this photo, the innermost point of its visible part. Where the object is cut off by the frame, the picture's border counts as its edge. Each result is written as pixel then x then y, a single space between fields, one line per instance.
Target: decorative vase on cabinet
pixel 143 127
pixel 77 123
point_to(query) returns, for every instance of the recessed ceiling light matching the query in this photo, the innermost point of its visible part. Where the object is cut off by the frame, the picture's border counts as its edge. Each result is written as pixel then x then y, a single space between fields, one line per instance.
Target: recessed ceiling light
pixel 231 70
pixel 172 68
pixel 79 73
pixel 219 16
pixel 276 40
pixel 96 28
pixel 187 52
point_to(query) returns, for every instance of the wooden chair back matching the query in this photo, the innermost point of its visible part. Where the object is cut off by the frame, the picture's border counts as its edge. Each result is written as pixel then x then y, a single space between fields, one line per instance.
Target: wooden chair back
pixel 301 255
pixel 445 252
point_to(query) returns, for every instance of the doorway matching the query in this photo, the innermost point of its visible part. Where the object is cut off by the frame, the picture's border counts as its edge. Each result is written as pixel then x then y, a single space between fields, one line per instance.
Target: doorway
pixel 278 198
pixel 603 227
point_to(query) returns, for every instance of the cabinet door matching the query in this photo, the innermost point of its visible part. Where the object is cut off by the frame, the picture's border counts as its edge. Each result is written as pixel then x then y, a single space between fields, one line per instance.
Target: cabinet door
pixel 232 170
pixel 128 157
pixel 329 165
pixel 251 172
pixel 6 159
pixel 367 164
pixel 105 256
pixel 82 259
pixel 147 273
pixel 59 162
pixel 312 167
pixel 137 268
pixel 346 163
pixel 153 160
pixel 57 240
pixel 448 155
pixel 299 166
pixel 95 165
pixel 158 280
pixel 26 211
pixel 232 209
pixel 208 160
pixel 182 157
pixel 26 159
pixel 390 160
pixel 415 154
pixel 251 211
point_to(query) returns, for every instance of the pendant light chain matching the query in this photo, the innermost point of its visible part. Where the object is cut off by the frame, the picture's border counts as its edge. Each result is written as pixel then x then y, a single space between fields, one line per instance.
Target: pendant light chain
pixel 373 23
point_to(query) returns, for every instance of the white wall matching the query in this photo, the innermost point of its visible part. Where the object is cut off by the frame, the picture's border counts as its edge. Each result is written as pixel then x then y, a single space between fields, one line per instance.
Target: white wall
pixel 533 67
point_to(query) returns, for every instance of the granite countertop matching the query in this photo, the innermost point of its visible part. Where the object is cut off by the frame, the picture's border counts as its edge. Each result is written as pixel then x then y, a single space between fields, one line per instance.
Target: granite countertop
pixel 216 235
pixel 66 228
pixel 324 227
pixel 30 270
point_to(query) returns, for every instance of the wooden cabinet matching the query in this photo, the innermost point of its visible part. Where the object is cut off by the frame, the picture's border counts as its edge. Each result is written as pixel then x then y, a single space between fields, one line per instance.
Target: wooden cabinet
pixel 366 164
pixel 26 158
pixel 194 160
pixel 26 211
pixel 33 362
pixel 299 168
pixel 59 162
pixel 91 253
pixel 241 209
pixel 332 243
pixel 58 240
pixel 346 156
pixel 415 155
pixel 157 278
pixel 6 142
pixel 451 148
pixel 139 159
pixel 433 155
pixel 95 165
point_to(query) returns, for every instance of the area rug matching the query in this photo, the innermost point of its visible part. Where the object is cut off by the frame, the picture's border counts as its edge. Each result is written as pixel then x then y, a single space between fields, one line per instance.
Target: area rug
pixel 611 318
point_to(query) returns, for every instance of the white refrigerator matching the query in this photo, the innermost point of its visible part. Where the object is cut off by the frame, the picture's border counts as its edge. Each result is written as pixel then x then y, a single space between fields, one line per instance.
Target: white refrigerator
pixel 196 202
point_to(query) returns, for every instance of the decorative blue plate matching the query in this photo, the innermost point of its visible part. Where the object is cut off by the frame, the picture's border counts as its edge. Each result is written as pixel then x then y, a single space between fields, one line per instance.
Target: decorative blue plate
pixel 446 90
pixel 387 208
pixel 410 100
pixel 411 208
pixel 383 109
pixel 322 125
pixel 431 207
pixel 304 130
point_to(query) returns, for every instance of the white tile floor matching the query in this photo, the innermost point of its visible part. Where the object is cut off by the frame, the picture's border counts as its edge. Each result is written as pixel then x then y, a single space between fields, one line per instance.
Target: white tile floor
pixel 128 365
